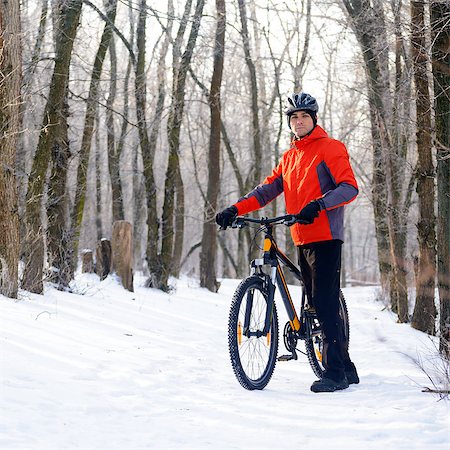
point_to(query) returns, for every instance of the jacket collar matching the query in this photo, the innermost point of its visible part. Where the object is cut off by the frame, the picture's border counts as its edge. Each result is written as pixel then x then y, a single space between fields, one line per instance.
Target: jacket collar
pixel 317 133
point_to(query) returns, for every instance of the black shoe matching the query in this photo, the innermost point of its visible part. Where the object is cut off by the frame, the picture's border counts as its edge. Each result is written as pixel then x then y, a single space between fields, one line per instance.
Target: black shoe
pixel 329 385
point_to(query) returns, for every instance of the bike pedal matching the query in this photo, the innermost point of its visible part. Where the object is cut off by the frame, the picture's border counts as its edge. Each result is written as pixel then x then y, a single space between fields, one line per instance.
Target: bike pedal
pixel 287 357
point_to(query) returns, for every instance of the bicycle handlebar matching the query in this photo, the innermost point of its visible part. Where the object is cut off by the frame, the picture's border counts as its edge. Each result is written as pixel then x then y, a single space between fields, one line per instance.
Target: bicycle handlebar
pixel 287 219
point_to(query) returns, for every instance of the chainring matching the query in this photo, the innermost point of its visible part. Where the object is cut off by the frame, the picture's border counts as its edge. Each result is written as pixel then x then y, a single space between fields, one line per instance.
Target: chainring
pixel 290 338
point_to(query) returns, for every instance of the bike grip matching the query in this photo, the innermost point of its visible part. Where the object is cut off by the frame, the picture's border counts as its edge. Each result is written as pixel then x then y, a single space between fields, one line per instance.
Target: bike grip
pixel 238 222
pixel 289 222
pixel 293 220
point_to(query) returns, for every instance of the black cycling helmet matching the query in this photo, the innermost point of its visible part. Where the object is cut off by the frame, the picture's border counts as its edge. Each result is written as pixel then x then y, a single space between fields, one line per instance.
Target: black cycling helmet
pixel 302 102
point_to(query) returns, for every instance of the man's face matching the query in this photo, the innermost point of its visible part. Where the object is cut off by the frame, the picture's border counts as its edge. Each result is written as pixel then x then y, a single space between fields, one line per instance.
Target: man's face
pixel 301 123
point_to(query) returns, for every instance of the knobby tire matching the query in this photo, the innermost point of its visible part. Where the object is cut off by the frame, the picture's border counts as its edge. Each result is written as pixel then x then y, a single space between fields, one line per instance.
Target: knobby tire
pixel 316 342
pixel 254 358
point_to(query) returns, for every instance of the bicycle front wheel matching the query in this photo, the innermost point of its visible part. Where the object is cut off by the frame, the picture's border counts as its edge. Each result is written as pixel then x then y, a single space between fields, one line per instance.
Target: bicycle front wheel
pixel 314 345
pixel 253 355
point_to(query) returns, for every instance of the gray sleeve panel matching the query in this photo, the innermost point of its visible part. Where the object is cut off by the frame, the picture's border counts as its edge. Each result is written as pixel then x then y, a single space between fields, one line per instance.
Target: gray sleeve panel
pixel 326 179
pixel 336 221
pixel 333 194
pixel 265 193
pixel 341 195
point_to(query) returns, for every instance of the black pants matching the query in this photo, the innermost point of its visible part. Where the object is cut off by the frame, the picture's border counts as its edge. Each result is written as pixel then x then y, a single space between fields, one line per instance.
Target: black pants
pixel 320 264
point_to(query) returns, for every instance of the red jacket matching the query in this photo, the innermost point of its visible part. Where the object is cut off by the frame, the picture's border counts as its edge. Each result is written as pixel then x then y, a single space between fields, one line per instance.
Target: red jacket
pixel 316 167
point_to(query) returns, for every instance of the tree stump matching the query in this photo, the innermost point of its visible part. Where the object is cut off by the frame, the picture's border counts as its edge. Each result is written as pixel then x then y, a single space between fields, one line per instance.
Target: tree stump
pixel 122 252
pixel 103 256
pixel 87 261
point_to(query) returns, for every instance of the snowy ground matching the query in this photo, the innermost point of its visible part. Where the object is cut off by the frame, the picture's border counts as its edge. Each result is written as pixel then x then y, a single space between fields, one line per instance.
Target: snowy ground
pixel 111 369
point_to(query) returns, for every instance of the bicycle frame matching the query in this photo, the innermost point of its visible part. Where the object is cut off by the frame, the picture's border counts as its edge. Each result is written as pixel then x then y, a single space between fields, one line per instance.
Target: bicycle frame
pixel 274 258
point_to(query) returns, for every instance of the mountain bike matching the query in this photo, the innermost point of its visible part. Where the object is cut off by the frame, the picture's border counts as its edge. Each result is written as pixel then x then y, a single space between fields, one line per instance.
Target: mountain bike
pixel 253 320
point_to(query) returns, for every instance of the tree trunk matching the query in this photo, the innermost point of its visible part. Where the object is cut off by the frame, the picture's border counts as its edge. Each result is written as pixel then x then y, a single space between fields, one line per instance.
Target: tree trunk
pixel 263 84
pixel 58 250
pixel 28 76
pixel 255 178
pixel 58 247
pixel 161 78
pixel 242 266
pixel 366 29
pixel 369 25
pixel 173 175
pixel 55 109
pixel 98 178
pixel 208 254
pixel 115 164
pixel 298 69
pixel 179 224
pixel 122 252
pixel 113 153
pixel 153 258
pixel 103 258
pixel 87 261
pixel 397 160
pixel 424 310
pixel 440 17
pixel 88 131
pixel 144 141
pixel 10 82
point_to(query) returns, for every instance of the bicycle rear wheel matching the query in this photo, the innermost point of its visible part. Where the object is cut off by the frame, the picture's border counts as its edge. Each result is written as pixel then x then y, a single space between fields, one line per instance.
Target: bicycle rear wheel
pixel 314 345
pixel 253 358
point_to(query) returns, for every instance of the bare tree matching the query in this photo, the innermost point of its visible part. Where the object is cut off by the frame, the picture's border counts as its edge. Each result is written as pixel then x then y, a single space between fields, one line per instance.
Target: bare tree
pixel 255 177
pixel 366 28
pixel 113 148
pixel 391 200
pixel 49 139
pixel 440 18
pixel 424 310
pixel 145 145
pixel 10 82
pixel 173 225
pixel 88 131
pixel 399 197
pixel 148 144
pixel 298 64
pixel 28 77
pixel 209 244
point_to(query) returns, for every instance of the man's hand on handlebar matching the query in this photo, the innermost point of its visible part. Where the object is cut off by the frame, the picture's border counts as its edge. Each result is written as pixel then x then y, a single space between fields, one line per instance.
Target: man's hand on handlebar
pixel 295 219
pixel 306 216
pixel 226 217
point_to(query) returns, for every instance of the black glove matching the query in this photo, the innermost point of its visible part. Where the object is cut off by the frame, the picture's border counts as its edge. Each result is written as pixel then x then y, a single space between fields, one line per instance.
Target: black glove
pixel 309 213
pixel 226 217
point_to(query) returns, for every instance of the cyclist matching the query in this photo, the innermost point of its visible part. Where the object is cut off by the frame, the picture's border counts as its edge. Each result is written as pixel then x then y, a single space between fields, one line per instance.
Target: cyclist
pixel 317 180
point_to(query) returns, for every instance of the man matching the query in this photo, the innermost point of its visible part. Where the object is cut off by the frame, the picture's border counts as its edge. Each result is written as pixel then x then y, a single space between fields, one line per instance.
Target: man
pixel 317 180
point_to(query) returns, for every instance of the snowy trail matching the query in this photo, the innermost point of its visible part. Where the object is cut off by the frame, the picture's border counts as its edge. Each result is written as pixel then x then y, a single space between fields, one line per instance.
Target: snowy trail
pixel 117 370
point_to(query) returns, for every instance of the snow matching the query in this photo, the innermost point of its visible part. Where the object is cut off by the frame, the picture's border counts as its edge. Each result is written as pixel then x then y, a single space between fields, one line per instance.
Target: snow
pixel 110 369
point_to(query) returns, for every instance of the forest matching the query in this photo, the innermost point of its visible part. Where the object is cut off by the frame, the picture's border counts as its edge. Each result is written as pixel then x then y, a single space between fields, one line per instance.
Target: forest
pixel 160 114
